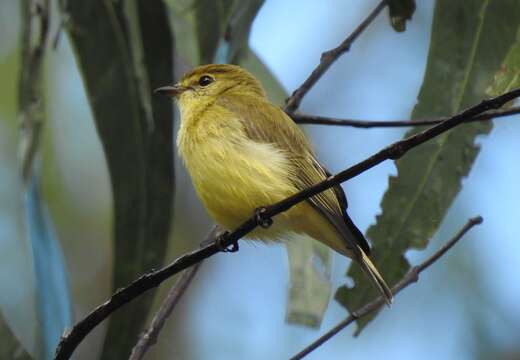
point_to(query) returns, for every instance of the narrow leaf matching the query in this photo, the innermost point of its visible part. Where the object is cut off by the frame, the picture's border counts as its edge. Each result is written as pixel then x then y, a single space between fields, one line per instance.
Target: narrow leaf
pixel 211 17
pixel 221 29
pixel 238 28
pixel 52 294
pixel 153 66
pixel 121 59
pixel 309 289
pixel 53 307
pixel 469 41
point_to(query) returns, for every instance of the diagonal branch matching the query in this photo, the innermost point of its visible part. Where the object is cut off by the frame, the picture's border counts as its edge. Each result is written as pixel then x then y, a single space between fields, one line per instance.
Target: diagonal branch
pixel 328 58
pixel 410 277
pixel 149 337
pixel 263 217
pixel 369 124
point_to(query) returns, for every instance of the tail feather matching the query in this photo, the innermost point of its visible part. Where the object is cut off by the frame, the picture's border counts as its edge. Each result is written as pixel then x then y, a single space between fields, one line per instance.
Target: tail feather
pixel 370 269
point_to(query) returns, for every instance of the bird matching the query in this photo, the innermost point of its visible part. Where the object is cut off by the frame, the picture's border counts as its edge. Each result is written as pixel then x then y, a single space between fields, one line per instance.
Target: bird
pixel 242 152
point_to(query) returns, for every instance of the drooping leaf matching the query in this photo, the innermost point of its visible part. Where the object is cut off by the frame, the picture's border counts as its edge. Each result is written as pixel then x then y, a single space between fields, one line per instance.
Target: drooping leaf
pixel 219 28
pixel 211 17
pixel 151 43
pixel 238 28
pixel 10 347
pixel 53 307
pixel 400 11
pixel 310 262
pixel 469 41
pixel 309 288
pixel 182 21
pixel 122 53
pixel 52 293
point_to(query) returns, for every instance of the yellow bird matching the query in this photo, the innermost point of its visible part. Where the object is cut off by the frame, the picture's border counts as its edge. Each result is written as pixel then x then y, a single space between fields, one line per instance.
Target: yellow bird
pixel 242 152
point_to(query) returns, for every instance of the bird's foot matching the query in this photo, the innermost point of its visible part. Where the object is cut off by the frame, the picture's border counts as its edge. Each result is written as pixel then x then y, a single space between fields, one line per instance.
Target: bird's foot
pixel 261 219
pixel 221 241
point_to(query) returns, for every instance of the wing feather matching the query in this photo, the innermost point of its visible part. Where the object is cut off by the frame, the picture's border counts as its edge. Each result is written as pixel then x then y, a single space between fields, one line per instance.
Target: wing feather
pixel 264 122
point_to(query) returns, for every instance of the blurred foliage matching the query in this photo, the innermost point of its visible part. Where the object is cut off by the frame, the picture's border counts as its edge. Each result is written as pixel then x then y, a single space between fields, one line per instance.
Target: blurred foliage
pixel 110 42
pixel 9 346
pixel 469 42
pixel 8 97
pixel 206 27
pixel 53 302
pixel 124 49
pixel 400 12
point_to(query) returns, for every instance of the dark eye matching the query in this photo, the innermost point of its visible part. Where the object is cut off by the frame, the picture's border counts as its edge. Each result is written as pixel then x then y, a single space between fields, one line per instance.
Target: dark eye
pixel 205 80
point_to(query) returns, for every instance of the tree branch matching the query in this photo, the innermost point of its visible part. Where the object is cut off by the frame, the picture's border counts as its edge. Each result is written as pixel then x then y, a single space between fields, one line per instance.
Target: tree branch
pixel 327 59
pixel 149 337
pixel 34 42
pixel 263 217
pixel 410 277
pixel 368 124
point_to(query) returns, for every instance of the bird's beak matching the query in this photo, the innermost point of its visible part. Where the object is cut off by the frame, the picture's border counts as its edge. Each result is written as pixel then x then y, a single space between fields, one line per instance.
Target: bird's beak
pixel 172 91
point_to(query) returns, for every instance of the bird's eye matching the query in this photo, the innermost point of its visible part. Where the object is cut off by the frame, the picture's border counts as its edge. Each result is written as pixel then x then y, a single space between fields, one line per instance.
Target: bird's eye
pixel 205 80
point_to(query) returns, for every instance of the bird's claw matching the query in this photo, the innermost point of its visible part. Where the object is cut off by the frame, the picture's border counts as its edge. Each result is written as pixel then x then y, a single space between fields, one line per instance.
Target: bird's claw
pixel 261 219
pixel 221 243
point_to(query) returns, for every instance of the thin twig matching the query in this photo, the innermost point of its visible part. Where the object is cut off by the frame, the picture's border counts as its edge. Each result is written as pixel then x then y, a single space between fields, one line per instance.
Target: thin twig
pixel 368 124
pixel 149 337
pixel 410 277
pixel 153 279
pixel 327 59
pixel 34 42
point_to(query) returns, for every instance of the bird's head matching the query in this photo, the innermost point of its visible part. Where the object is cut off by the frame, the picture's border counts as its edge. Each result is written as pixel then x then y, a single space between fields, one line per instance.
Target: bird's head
pixel 207 82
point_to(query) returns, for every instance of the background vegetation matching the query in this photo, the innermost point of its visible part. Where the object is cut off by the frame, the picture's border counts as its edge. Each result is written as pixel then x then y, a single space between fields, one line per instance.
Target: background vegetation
pixel 102 202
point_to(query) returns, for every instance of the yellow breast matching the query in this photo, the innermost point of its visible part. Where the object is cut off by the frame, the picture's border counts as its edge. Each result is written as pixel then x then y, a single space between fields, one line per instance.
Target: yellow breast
pixel 232 174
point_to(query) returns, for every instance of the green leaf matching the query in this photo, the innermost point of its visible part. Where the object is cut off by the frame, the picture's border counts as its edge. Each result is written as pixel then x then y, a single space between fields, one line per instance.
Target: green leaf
pixel 310 262
pixel 239 27
pixel 121 60
pixel 183 23
pixel 400 12
pixel 211 17
pixel 53 305
pixel 309 289
pixel 53 302
pixel 220 29
pixel 508 76
pixel 10 347
pixel 469 41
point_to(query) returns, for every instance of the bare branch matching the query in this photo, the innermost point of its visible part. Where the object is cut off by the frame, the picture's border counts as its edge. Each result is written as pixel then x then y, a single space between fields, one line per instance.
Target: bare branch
pixel 368 124
pixel 262 217
pixel 327 59
pixel 149 337
pixel 33 41
pixel 410 277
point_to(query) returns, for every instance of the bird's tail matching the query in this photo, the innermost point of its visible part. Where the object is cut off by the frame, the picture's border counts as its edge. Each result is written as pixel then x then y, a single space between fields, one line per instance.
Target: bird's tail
pixel 370 269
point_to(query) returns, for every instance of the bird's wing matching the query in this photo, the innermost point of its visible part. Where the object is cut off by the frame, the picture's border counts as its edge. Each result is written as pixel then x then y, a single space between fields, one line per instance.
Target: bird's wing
pixel 264 122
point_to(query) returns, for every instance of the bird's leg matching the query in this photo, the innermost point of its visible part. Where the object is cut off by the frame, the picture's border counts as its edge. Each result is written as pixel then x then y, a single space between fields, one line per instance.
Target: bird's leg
pixel 261 219
pixel 221 241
